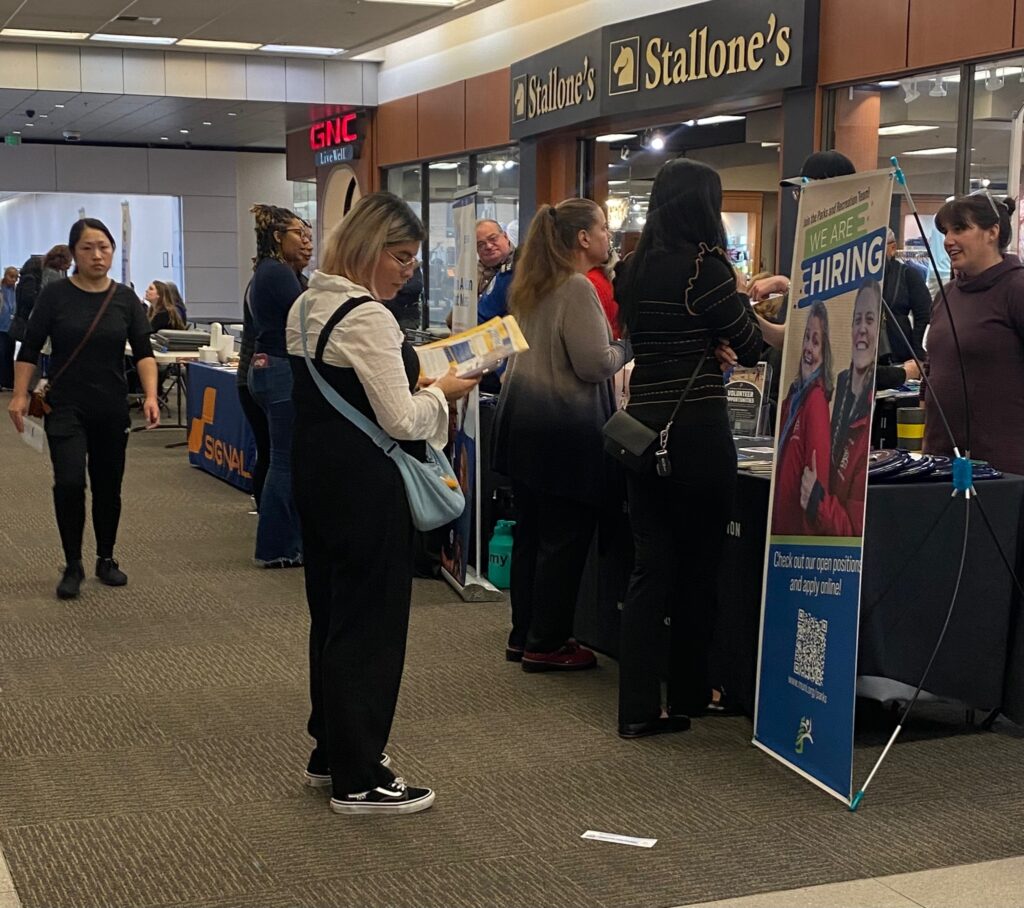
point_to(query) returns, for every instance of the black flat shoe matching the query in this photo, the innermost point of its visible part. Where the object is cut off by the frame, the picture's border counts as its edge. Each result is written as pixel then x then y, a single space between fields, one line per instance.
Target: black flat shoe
pixel 109 573
pixel 513 654
pixel 71 581
pixel 663 726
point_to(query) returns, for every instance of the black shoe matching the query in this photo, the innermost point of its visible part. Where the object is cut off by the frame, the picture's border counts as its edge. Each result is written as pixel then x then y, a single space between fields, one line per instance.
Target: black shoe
pixel 318 773
pixel 513 653
pixel 396 797
pixel 662 726
pixel 109 573
pixel 71 581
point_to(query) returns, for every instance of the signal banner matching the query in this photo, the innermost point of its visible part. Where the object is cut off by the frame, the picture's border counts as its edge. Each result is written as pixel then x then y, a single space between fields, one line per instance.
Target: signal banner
pixel 219 438
pixel 810 612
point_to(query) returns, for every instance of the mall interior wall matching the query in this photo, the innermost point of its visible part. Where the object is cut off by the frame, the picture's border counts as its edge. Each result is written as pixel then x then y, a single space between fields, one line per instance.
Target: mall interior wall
pixel 873 38
pixel 216 191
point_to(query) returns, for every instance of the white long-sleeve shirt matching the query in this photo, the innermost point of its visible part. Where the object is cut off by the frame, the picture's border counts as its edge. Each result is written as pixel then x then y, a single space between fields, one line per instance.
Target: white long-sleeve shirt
pixel 369 341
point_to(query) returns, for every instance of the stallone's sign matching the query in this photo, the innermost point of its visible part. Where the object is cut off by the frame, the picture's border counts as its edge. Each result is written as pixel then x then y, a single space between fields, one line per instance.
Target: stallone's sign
pixel 683 58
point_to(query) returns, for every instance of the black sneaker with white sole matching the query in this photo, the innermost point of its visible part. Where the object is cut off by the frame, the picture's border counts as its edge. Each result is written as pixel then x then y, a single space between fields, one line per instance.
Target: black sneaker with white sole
pixel 319 776
pixel 396 797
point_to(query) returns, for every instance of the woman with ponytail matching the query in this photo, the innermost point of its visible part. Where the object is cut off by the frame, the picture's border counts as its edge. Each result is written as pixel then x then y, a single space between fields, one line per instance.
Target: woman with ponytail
pixel 281 242
pixel 555 400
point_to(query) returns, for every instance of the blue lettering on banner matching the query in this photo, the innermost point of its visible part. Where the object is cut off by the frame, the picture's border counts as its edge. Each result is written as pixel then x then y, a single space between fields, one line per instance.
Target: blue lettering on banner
pixel 808 659
pixel 335 155
pixel 843 269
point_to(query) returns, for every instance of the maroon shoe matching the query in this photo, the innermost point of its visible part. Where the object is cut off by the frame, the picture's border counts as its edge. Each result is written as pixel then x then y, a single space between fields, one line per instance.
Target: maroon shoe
pixel 569 658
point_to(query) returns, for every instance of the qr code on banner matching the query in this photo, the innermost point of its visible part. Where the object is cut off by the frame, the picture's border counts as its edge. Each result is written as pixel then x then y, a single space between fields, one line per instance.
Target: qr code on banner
pixel 809 658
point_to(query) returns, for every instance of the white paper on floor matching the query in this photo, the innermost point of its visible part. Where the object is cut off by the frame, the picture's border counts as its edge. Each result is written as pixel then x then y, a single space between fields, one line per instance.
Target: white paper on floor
pixel 618 839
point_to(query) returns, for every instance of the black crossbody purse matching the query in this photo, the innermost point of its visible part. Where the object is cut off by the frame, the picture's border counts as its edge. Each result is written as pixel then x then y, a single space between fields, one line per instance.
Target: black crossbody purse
pixel 635 445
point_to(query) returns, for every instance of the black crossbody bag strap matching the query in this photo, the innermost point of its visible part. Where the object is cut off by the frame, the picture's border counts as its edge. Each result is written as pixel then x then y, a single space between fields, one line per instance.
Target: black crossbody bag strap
pixel 88 334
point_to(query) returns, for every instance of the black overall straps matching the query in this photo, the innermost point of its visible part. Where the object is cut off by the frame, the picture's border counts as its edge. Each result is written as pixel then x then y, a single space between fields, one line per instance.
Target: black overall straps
pixel 332 323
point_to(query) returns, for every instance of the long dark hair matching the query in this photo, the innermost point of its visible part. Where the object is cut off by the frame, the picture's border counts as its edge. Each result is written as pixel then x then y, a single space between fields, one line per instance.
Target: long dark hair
pixel 165 303
pixel 685 210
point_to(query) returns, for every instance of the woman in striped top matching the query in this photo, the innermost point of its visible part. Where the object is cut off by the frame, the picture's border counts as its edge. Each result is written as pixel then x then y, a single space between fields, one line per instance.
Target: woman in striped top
pixel 675 303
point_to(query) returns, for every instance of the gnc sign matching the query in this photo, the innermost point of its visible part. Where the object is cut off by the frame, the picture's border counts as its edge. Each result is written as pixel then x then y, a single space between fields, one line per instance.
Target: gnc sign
pixel 339 130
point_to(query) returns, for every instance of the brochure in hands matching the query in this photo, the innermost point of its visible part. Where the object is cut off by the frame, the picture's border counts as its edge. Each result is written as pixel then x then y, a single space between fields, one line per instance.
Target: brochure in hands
pixel 474 352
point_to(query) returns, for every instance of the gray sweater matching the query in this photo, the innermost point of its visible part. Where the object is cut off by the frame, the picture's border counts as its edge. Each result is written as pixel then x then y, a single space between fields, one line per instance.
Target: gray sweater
pixel 558 395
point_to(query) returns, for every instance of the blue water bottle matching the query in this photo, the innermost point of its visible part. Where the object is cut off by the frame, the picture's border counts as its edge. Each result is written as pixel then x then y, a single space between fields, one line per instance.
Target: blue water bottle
pixel 499 555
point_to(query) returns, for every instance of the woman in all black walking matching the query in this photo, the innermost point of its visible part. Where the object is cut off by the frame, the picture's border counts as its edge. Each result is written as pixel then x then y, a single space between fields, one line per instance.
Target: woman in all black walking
pixel 357 531
pixel 88 318
pixel 675 303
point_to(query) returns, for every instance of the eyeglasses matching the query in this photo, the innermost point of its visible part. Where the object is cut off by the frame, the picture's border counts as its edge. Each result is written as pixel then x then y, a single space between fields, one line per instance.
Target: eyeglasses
pixel 412 263
pixel 991 201
pixel 301 231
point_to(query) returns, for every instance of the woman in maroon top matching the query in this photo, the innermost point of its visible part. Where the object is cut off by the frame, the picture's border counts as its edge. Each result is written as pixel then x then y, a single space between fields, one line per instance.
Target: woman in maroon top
pixel 987 304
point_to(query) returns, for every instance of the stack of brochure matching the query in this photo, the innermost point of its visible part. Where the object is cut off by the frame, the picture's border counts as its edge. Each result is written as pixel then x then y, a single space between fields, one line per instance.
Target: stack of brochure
pixel 474 352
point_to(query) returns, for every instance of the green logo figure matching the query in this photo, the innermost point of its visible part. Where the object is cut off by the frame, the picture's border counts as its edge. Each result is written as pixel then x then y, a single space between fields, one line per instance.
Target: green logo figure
pixel 804 734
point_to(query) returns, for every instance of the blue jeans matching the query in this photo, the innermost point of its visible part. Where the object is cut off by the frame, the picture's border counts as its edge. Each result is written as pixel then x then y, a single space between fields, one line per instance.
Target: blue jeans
pixel 278 533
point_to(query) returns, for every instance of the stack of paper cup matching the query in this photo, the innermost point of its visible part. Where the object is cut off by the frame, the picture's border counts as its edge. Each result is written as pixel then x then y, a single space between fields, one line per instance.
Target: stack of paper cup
pixel 227 347
pixel 208 354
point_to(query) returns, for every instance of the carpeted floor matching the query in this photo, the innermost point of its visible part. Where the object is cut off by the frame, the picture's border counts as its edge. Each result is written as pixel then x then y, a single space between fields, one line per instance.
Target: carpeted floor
pixel 152 741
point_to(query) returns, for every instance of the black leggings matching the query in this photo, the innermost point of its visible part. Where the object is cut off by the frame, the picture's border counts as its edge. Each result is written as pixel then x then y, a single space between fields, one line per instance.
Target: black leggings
pixel 261 432
pixel 78 442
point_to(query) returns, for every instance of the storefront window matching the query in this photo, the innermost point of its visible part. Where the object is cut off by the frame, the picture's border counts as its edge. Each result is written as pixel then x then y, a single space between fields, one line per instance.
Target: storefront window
pixel 304 205
pixel 406 183
pixel 445 178
pixel 497 176
pixel 914 118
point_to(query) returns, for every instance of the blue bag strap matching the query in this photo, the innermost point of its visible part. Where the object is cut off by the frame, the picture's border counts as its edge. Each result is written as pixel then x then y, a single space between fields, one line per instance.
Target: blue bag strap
pixel 379 437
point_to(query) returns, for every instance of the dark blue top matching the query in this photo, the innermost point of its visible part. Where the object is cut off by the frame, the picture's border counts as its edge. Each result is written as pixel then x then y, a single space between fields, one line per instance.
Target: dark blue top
pixel 275 287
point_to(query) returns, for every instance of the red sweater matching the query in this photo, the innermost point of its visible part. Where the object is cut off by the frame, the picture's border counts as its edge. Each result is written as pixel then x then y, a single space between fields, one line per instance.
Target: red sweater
pixel 811 433
pixel 606 295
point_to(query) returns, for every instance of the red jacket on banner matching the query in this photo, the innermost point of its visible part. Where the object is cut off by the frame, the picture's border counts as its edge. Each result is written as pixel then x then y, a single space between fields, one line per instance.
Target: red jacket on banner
pixel 808 437
pixel 840 511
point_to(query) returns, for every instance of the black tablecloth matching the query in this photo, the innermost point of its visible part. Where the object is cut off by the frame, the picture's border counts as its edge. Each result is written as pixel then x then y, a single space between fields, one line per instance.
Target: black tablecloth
pixel 912 548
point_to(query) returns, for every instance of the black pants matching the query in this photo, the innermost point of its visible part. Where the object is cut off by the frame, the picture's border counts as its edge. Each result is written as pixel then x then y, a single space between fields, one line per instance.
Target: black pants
pixel 261 432
pixel 678 531
pixel 78 441
pixel 6 360
pixel 357 540
pixel 553 536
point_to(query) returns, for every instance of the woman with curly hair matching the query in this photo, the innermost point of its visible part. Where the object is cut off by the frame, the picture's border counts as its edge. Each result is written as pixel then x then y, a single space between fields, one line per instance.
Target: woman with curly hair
pixel 280 243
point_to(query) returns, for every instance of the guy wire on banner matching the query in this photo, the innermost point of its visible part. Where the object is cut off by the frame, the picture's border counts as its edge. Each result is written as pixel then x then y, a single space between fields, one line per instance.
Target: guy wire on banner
pixel 963 480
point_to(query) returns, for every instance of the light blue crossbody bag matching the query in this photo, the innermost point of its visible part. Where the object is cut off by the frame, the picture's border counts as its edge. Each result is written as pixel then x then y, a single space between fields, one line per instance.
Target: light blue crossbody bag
pixel 428 485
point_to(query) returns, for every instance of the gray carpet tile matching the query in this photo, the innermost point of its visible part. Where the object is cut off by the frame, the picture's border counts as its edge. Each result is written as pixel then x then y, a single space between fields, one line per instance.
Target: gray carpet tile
pixel 152 740
pixel 30 726
pixel 126 860
pixel 36 790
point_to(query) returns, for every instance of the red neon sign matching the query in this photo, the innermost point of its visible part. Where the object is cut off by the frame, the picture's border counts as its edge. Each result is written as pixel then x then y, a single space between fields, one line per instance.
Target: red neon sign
pixel 336 131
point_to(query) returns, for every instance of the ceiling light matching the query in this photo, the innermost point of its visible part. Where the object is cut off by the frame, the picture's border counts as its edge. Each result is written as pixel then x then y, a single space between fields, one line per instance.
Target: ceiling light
pixel 904 129
pixel 164 139
pixel 721 118
pixel 616 137
pixel 217 45
pixel 994 80
pixel 184 132
pixel 30 125
pixel 617 182
pixel 888 83
pixel 657 143
pixel 510 164
pixel 985 182
pixel 207 123
pixel 770 144
pixel 44 116
pixel 938 89
pixel 444 165
pixel 487 168
pixel 931 152
pixel 302 49
pixel 59 106
pixel 132 39
pixel 231 113
pixel 16 132
pixel 42 33
pixel 910 90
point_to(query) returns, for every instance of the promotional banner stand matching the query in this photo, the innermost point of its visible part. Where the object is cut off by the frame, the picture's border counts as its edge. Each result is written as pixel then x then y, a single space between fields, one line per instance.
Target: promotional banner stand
pixel 467 581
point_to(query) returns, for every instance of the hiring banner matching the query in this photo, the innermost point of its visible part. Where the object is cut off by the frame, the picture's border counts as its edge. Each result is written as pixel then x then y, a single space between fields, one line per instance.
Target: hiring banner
pixel 807 662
